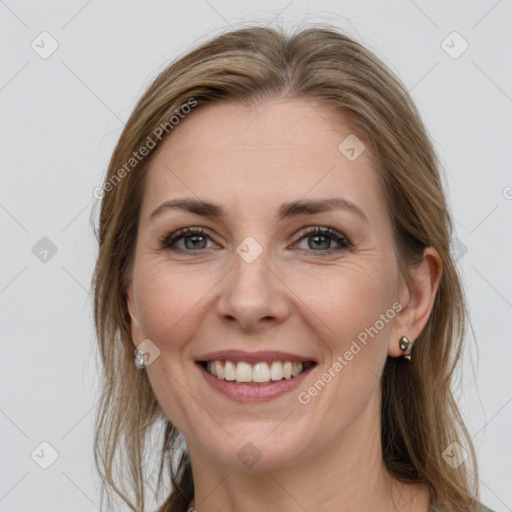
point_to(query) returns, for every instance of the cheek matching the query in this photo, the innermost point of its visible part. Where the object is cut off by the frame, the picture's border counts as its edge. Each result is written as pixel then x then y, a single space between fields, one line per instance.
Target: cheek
pixel 170 305
pixel 168 301
pixel 350 303
pixel 346 299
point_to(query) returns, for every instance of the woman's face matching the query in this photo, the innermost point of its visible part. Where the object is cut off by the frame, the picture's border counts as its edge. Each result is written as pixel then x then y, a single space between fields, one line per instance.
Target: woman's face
pixel 260 284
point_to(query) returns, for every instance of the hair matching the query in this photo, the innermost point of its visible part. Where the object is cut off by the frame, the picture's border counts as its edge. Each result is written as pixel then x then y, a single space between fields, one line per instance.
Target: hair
pixel 324 67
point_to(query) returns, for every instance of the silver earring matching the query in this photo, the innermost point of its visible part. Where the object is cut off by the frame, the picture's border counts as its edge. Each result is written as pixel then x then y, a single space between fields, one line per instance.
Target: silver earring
pixel 406 346
pixel 139 359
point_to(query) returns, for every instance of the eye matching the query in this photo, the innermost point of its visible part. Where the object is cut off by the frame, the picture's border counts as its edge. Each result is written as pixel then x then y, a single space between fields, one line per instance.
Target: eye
pixel 193 238
pixel 321 238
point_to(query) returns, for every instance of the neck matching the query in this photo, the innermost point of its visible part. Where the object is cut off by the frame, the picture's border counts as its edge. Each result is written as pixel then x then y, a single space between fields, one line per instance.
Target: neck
pixel 349 474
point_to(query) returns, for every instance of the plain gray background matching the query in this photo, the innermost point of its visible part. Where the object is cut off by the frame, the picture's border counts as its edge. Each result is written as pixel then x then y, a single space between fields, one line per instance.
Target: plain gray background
pixel 61 115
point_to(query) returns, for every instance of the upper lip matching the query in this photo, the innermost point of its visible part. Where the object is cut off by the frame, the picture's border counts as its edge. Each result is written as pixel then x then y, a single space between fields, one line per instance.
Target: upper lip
pixel 254 357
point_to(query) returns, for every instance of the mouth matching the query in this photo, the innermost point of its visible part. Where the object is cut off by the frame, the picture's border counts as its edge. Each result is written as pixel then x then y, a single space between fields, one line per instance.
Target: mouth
pixel 261 373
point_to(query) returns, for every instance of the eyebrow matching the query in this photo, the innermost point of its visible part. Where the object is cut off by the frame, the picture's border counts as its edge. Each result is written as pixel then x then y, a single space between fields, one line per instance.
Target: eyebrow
pixel 287 210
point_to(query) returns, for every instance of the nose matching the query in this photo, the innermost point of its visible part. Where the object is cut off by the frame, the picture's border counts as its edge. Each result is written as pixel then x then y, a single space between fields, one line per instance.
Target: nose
pixel 252 295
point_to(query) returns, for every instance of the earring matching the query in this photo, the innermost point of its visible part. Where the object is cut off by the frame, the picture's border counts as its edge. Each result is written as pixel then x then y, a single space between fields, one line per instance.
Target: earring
pixel 139 359
pixel 406 346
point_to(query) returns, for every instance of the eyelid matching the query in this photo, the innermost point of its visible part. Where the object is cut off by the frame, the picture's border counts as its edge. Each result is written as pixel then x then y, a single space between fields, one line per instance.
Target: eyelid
pixel 324 230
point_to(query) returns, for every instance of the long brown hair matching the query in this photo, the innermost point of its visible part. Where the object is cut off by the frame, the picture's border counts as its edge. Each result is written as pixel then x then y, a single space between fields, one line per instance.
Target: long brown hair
pixel 320 65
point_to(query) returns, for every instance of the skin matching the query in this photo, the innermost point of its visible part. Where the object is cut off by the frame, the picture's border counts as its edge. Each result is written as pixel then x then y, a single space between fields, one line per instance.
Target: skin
pixel 324 455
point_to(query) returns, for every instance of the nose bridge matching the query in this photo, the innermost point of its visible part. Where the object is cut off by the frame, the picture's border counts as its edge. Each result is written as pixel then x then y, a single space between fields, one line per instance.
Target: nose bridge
pixel 251 291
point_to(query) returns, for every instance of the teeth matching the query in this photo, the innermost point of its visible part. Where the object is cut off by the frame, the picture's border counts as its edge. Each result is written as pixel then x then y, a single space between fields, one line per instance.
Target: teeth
pixel 229 371
pixel 259 373
pixel 296 369
pixel 219 371
pixel 276 371
pixel 243 372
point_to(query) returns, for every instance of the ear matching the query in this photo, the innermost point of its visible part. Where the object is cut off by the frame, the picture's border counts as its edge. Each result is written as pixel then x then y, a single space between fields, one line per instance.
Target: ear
pixel 417 300
pixel 134 315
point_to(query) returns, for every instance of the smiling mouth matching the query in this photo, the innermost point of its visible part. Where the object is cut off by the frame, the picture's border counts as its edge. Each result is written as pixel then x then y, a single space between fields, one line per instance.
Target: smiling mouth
pixel 261 373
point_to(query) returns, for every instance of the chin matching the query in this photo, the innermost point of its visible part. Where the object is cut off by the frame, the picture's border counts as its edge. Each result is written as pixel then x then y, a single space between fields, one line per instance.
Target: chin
pixel 249 450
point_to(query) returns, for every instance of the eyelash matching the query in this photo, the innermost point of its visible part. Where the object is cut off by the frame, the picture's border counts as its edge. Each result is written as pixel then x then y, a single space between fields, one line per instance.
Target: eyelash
pixel 168 241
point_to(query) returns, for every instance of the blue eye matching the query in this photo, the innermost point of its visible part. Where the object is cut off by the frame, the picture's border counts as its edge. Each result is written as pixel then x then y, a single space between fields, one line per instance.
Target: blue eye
pixel 195 240
pixel 192 235
pixel 320 235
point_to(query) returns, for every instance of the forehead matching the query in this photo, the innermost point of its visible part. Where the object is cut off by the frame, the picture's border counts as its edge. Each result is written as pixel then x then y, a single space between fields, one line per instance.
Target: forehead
pixel 270 152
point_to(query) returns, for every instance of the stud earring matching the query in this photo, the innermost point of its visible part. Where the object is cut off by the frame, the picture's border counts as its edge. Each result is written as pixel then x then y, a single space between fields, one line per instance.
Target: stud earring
pixel 406 346
pixel 139 359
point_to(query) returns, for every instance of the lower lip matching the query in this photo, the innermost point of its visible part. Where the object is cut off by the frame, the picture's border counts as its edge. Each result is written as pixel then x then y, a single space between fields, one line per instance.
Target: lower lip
pixel 253 393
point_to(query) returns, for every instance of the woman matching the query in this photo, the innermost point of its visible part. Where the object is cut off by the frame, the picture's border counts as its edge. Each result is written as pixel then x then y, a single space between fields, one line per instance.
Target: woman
pixel 274 249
